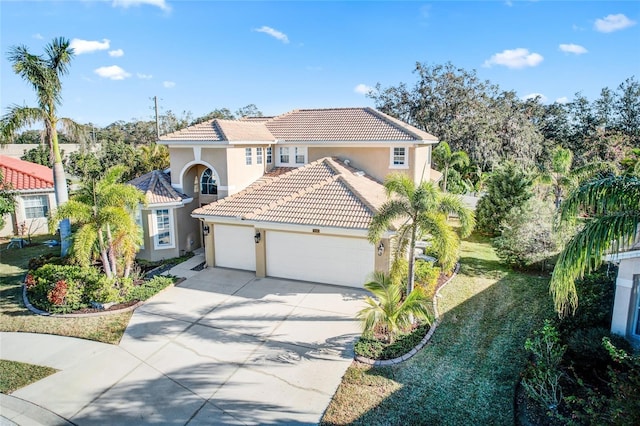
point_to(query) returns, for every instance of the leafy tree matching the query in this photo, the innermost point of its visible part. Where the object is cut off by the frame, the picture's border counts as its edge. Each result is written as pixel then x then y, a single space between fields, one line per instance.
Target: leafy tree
pixel 387 312
pixel 250 110
pixel 148 158
pixel 444 160
pixel 39 155
pixel 423 209
pixel 610 208
pixel 44 74
pixel 627 105
pixel 7 199
pixel 509 186
pixel 104 212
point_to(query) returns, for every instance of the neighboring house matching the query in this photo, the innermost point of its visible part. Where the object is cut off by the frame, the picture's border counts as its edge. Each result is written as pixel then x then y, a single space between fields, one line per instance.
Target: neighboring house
pixel 35 197
pixel 626 306
pixel 288 196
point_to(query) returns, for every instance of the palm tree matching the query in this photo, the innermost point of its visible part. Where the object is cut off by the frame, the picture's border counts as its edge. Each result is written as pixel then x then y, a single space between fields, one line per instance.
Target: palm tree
pixel 388 313
pixel 421 210
pixel 104 211
pixel 444 159
pixel 613 206
pixel 43 72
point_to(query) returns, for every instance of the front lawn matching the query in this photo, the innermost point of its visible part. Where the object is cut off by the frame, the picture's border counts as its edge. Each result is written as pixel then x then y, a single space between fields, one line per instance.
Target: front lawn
pixel 468 371
pixel 15 375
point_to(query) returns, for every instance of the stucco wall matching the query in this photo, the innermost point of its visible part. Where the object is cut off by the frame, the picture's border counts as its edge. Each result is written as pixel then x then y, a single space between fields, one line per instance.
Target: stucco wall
pixel 240 174
pixel 37 226
pixel 623 302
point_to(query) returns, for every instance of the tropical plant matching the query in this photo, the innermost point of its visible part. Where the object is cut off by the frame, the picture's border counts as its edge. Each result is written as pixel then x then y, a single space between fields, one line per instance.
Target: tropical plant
pixel 387 312
pixel 43 73
pixel 422 210
pixel 104 211
pixel 7 199
pixel 444 160
pixel 611 211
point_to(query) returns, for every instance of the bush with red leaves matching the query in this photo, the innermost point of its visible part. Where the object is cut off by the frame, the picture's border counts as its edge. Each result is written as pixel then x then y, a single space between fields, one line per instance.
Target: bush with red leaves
pixel 58 293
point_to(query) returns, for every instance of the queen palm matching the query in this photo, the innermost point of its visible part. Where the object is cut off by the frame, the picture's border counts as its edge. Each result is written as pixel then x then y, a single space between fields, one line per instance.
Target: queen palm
pixel 388 313
pixel 444 159
pixel 417 210
pixel 104 210
pixel 43 72
pixel 613 208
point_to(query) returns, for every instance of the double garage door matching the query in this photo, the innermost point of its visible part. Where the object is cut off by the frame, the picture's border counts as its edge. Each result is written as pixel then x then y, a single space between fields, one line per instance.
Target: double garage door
pixel 307 257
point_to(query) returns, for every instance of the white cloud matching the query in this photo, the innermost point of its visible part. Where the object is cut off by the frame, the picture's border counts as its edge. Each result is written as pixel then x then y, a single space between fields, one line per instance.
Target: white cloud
pixel 573 48
pixel 542 97
pixel 38 36
pixel 144 76
pixel 80 46
pixel 363 89
pixel 162 4
pixel 562 100
pixel 113 72
pixel 613 23
pixel 273 33
pixel 168 84
pixel 116 53
pixel 516 58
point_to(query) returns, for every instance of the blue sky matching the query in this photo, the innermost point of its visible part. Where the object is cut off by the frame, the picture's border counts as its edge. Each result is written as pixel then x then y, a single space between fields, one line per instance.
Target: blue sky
pixel 201 55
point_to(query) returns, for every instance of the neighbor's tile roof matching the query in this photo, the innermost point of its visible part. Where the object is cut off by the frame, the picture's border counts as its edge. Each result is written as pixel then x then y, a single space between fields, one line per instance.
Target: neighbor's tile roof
pixel 157 188
pixel 322 193
pixel 24 175
pixel 306 125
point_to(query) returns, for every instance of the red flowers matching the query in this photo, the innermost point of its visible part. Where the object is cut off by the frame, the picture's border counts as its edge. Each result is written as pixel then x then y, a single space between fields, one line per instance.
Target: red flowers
pixel 29 281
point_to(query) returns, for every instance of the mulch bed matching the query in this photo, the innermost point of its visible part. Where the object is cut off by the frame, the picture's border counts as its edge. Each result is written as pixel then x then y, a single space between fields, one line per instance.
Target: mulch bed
pixel 115 307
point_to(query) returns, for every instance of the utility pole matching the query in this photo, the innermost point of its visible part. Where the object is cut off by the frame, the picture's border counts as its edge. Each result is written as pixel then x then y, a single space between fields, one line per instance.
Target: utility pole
pixel 155 100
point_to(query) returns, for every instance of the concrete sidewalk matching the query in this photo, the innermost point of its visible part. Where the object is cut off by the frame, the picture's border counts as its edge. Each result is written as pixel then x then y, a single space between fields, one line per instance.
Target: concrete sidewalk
pixel 223 347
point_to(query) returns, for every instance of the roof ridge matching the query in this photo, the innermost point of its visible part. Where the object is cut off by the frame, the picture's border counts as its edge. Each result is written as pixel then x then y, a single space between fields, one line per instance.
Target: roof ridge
pixel 390 120
pixel 218 127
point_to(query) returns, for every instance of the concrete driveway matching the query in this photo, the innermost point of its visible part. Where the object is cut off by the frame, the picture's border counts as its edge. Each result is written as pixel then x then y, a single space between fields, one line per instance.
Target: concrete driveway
pixel 223 347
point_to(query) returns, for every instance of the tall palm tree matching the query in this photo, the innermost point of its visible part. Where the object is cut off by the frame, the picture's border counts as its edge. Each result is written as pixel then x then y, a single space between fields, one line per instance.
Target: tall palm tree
pixel 105 212
pixel 421 210
pixel 43 72
pixel 388 313
pixel 444 159
pixel 613 208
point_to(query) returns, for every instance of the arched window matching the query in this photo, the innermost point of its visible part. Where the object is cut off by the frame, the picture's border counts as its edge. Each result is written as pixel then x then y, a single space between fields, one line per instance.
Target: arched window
pixel 208 185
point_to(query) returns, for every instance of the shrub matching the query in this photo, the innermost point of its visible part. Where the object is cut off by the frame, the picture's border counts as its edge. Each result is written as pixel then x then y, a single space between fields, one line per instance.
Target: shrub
pixel 372 348
pixel 151 287
pixel 427 275
pixel 58 293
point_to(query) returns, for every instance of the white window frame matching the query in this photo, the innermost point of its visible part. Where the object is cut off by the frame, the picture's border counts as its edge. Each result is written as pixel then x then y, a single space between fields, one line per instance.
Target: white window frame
pixel 248 156
pixel 269 155
pixel 138 216
pixel 300 154
pixel 635 316
pixel 259 155
pixel 211 182
pixel 295 156
pixel 283 151
pixel 394 162
pixel 156 230
pixel 42 207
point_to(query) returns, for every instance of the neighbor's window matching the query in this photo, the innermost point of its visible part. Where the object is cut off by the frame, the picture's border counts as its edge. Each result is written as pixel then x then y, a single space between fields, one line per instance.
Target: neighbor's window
pixel 164 236
pixel 247 156
pixel 269 155
pixel 299 155
pixel 36 206
pixel 138 215
pixel 284 154
pixel 399 157
pixel 258 155
pixel 208 185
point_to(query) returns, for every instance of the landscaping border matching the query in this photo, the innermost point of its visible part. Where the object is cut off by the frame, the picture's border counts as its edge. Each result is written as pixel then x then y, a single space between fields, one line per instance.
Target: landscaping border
pixel 33 309
pixel 425 339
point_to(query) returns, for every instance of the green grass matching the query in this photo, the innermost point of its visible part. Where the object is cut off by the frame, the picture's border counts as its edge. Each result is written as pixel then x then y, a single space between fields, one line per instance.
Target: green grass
pixel 468 371
pixel 15 317
pixel 15 375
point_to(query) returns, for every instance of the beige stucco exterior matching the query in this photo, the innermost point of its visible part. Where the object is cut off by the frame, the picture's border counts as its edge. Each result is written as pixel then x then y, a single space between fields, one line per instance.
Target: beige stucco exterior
pixel 36 226
pixel 626 295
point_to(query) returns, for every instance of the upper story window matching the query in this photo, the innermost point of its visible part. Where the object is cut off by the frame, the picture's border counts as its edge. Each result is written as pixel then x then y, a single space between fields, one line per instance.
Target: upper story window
pixel 164 228
pixel 269 155
pixel 299 155
pixel 208 184
pixel 284 154
pixel 247 156
pixel 399 158
pixel 36 206
pixel 258 155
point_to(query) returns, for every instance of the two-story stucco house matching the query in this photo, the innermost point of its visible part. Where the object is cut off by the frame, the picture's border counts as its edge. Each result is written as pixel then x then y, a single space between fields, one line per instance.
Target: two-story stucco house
pixel 288 196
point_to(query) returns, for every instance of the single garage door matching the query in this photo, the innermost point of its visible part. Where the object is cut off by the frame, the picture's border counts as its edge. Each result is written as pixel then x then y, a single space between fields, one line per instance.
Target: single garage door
pixel 319 258
pixel 235 247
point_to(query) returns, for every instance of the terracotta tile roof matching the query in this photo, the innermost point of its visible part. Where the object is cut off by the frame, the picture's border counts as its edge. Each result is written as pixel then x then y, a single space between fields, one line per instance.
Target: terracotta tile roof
pixel 322 193
pixel 24 175
pixel 306 125
pixel 157 188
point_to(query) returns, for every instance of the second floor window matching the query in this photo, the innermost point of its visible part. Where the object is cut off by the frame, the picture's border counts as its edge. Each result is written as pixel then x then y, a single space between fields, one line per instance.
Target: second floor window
pixel 284 154
pixel 247 156
pixel 258 155
pixel 399 157
pixel 208 184
pixel 299 156
pixel 269 155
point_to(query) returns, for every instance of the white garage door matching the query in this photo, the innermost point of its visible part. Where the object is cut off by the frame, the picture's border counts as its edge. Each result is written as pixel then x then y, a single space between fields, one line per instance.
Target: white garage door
pixel 235 247
pixel 319 258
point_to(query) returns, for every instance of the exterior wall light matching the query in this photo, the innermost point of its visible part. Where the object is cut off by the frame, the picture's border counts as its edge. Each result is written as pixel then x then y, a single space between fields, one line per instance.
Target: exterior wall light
pixel 205 230
pixel 380 249
pixel 257 237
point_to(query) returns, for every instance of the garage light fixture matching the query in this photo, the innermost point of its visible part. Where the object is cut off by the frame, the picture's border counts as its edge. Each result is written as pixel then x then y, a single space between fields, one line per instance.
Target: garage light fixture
pixel 257 237
pixel 205 230
pixel 380 249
